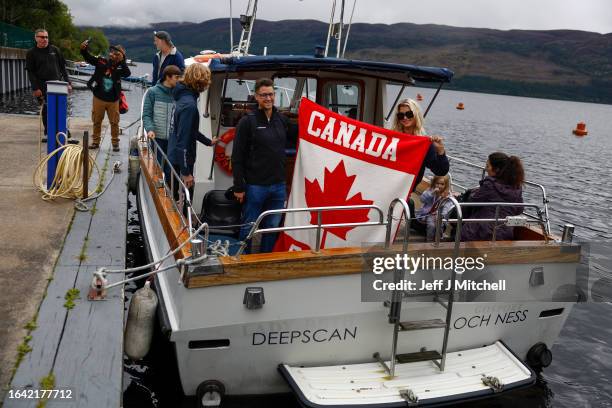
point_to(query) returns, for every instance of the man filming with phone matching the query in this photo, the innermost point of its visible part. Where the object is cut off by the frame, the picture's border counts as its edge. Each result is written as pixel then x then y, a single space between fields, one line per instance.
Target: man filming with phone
pixel 105 84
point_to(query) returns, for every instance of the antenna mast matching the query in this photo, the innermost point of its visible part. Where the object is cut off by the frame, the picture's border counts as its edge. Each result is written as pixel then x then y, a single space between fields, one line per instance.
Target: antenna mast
pixel 231 28
pixel 331 25
pixel 246 21
pixel 336 28
pixel 348 31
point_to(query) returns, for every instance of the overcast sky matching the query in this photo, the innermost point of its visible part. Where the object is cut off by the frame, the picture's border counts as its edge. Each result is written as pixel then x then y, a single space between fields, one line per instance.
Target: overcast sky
pixel 587 15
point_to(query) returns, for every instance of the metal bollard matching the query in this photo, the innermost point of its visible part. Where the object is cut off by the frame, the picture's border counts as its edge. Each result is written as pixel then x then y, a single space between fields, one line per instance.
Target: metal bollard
pixel 198 248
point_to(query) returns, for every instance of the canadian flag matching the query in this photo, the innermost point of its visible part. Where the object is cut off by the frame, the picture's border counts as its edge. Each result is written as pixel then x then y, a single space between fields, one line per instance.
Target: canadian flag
pixel 342 162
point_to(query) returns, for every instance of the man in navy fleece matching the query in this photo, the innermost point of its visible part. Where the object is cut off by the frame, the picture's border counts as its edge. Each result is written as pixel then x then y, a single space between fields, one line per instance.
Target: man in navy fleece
pixel 185 123
pixel 166 55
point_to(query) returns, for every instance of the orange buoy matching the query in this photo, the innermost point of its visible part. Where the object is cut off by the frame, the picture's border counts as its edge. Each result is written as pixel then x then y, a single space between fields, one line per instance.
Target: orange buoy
pixel 419 97
pixel 581 129
pixel 460 106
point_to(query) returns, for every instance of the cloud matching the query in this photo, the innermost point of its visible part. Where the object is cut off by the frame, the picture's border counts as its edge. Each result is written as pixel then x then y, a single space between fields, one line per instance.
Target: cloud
pixel 591 15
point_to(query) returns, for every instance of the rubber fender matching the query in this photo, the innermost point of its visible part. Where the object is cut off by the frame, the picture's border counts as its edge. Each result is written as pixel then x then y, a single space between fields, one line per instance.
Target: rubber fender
pixel 539 356
pixel 139 327
pixel 133 171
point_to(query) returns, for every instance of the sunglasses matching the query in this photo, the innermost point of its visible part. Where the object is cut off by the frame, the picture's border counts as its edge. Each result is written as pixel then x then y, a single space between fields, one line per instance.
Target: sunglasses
pixel 407 115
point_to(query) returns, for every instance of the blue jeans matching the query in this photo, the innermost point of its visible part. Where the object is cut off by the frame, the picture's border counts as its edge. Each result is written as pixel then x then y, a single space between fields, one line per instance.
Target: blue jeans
pixel 257 200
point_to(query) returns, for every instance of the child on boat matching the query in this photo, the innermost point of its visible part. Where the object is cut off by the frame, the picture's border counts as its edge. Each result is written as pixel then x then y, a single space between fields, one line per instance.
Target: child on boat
pixel 430 200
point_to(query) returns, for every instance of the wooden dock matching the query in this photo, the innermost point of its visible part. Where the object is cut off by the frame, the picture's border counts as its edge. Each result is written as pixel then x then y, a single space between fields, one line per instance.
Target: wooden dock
pixel 80 350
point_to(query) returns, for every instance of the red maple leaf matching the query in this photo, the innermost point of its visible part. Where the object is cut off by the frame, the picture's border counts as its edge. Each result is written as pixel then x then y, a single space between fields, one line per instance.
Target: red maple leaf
pixel 336 187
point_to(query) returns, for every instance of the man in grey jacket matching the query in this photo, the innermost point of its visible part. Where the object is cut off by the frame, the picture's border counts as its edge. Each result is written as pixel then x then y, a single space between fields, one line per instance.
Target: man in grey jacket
pixel 158 108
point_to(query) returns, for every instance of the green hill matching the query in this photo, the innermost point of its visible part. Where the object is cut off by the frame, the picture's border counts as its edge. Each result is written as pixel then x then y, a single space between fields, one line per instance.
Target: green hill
pixel 560 64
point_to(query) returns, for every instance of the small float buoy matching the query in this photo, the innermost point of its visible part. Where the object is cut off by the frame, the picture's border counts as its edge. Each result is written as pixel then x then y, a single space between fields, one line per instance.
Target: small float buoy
pixel 419 97
pixel 460 106
pixel 139 327
pixel 580 129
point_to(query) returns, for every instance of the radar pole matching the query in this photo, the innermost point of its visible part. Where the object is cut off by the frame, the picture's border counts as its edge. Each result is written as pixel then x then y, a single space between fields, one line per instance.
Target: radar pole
pixel 336 29
pixel 246 21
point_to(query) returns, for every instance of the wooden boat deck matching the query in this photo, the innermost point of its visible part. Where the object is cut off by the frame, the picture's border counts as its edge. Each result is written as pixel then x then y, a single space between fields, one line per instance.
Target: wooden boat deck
pixel 341 261
pixel 530 247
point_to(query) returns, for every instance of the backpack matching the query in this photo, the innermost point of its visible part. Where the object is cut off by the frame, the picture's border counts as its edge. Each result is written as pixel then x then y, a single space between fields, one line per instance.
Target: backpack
pixel 123 105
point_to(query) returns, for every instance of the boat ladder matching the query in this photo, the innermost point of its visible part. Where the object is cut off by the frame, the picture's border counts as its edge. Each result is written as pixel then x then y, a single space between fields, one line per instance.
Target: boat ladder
pixel 395 305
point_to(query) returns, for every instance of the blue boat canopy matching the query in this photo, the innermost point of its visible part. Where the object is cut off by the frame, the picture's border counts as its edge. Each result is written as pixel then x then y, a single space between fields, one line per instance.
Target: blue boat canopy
pixel 387 70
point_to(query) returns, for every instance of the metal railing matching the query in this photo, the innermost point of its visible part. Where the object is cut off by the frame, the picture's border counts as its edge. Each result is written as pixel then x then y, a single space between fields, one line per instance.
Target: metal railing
pixel 396 297
pixel 451 295
pixel 318 226
pixel 497 221
pixel 406 214
pixel 154 149
pixel 545 201
pixel 255 230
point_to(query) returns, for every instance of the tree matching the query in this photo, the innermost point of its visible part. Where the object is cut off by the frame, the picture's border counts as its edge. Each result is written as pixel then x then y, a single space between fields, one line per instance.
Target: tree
pixel 99 42
pixel 54 16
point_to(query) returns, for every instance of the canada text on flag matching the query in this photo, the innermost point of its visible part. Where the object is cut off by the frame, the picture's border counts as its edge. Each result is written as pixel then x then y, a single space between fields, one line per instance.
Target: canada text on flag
pixel 344 162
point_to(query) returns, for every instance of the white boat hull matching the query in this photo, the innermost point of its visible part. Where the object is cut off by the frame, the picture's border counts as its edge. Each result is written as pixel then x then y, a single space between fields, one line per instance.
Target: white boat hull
pixel 322 321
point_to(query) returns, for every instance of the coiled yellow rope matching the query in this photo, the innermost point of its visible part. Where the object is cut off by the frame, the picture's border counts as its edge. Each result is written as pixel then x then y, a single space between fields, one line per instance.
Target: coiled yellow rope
pixel 68 181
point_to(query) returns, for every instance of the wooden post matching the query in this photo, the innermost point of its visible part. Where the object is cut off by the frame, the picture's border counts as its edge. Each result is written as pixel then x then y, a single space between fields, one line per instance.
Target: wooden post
pixel 85 164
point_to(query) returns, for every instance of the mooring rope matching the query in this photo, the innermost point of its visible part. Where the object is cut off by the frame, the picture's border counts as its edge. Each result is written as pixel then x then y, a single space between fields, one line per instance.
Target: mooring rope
pixel 68 180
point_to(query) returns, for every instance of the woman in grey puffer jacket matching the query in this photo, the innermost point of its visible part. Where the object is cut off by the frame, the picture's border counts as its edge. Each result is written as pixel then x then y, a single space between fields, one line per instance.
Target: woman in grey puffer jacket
pixel 502 184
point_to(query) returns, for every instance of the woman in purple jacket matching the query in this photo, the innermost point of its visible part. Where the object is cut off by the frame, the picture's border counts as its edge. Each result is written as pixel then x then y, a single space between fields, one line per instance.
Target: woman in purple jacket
pixel 502 184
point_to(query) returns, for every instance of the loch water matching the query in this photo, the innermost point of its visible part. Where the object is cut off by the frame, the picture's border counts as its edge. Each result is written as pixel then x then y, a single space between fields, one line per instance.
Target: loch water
pixel 576 173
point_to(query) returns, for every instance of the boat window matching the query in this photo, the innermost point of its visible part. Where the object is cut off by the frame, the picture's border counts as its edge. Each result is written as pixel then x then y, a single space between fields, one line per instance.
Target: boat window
pixel 284 88
pixel 238 101
pixel 343 98
pixel 309 90
pixel 240 96
pixel 239 90
pixel 290 90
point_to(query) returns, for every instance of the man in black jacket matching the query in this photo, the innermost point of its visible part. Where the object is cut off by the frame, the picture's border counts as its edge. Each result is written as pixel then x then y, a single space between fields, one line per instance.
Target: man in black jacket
pixel 258 162
pixel 44 63
pixel 106 86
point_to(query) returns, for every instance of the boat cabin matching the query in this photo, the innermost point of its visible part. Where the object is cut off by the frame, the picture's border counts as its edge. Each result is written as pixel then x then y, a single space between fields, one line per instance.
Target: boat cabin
pixel 356 89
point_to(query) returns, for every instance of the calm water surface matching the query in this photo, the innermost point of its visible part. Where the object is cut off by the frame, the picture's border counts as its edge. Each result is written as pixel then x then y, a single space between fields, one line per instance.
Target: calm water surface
pixel 576 173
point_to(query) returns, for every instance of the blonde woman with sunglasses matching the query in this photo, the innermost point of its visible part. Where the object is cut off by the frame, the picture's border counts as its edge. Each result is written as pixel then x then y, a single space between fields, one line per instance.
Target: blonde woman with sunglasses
pixel 409 119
